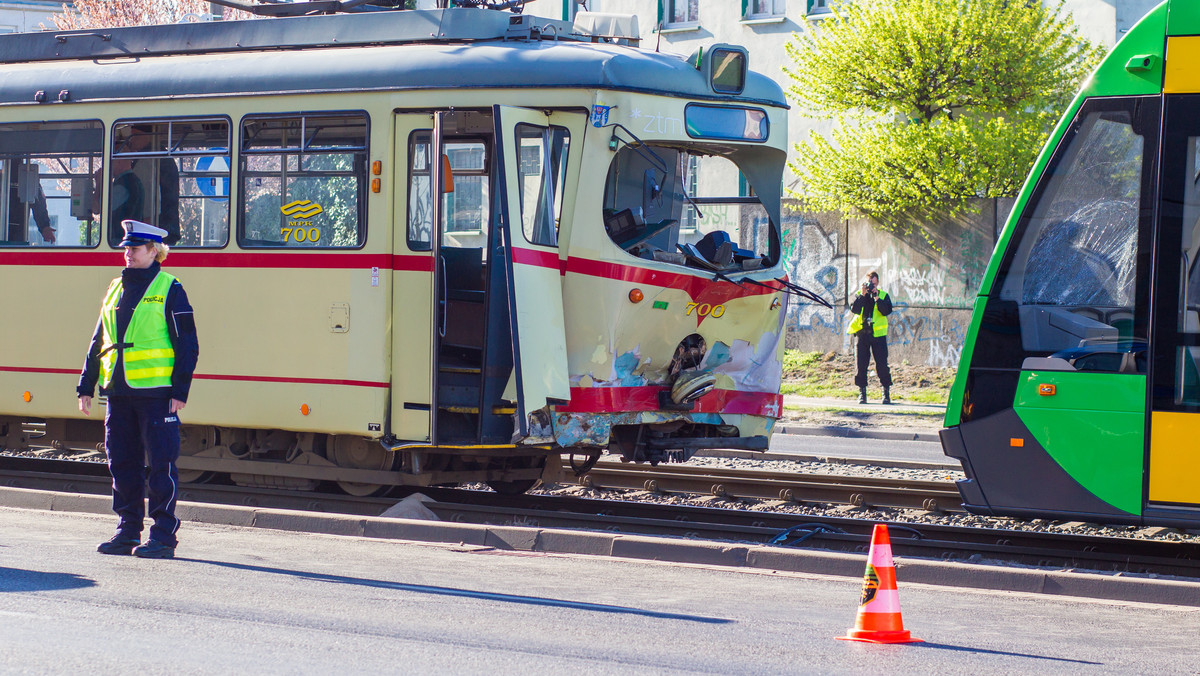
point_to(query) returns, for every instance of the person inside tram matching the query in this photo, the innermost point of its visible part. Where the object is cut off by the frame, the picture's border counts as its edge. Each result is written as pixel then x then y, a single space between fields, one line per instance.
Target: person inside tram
pixel 143 188
pixel 20 209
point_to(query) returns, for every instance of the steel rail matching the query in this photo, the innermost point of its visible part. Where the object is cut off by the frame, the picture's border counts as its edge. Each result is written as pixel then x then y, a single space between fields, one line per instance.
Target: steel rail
pixel 933 541
pixel 787 486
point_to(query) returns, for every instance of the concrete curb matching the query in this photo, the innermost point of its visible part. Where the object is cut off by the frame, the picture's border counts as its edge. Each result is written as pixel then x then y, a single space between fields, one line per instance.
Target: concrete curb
pixel 834 431
pixel 547 540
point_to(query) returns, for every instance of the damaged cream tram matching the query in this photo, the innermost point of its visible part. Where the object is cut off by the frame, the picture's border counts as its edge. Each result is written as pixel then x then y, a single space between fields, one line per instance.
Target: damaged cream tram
pixel 598 267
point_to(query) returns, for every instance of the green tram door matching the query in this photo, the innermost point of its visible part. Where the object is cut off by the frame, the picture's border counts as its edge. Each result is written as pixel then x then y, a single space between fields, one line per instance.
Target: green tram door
pixel 1173 462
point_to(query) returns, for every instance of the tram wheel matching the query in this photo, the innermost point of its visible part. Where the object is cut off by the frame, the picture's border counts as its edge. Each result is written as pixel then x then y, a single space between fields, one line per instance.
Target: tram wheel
pixel 359 453
pixel 192 440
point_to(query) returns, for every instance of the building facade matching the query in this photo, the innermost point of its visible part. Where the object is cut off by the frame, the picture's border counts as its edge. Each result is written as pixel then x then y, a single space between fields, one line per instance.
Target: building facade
pixel 933 290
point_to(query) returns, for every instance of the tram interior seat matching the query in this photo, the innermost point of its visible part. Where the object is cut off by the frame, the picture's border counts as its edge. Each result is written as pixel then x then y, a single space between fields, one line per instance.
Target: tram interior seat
pixel 465 310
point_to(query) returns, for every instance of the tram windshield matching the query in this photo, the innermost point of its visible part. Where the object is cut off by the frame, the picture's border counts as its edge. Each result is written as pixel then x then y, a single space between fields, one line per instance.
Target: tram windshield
pixel 1070 278
pixel 684 207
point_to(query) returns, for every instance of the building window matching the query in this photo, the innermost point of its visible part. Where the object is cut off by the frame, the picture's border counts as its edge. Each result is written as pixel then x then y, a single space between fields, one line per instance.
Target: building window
pixel 680 12
pixel 689 168
pixel 764 9
pixel 817 7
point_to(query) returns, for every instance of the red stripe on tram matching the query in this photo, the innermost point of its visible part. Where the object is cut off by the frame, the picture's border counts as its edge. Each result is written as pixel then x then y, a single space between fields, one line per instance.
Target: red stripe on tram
pixel 214 376
pixel 645 398
pixel 293 381
pixel 541 259
pixel 223 259
pixel 34 369
pixel 702 289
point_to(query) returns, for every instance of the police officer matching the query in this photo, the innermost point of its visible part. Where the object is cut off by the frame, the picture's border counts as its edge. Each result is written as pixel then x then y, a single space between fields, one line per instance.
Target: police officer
pixel 871 308
pixel 143 354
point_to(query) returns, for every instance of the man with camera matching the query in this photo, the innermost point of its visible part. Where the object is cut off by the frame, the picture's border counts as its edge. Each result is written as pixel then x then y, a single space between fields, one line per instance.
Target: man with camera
pixel 871 308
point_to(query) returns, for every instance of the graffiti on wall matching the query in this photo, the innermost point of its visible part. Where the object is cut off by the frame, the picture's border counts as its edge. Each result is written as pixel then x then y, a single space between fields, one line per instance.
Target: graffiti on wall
pixel 932 293
pixel 812 259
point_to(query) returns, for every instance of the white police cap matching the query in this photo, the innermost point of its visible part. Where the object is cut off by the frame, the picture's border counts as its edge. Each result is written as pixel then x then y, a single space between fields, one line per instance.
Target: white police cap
pixel 138 233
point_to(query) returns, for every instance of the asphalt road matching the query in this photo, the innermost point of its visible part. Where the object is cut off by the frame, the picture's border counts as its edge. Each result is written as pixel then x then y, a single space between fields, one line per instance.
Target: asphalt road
pixel 258 601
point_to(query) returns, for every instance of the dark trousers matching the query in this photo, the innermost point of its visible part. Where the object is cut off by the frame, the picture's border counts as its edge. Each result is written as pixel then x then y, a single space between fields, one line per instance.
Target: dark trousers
pixel 868 345
pixel 141 437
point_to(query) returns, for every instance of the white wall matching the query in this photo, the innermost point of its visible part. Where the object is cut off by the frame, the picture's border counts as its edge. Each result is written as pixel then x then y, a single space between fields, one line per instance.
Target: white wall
pixel 25 17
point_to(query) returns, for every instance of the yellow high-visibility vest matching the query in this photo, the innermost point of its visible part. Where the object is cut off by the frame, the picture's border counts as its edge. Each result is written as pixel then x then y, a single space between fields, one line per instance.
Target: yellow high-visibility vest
pixel 879 322
pixel 146 346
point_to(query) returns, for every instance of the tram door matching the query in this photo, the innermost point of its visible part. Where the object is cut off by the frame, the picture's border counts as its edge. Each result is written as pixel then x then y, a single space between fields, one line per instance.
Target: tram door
pixel 451 350
pixel 1174 454
pixel 532 166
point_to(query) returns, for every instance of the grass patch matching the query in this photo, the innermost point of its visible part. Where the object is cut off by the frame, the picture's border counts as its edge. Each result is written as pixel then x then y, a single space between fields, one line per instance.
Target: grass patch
pixel 830 375
pixel 794 360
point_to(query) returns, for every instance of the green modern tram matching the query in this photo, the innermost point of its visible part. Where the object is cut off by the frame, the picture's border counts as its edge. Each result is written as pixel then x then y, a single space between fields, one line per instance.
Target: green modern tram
pixel 1078 394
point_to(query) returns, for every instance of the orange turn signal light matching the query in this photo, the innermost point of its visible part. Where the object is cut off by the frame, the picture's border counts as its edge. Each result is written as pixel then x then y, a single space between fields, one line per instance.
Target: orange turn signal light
pixel 304 409
pixel 376 168
pixel 1016 442
pixel 636 296
pixel 1047 389
pixel 27 397
pixel 375 185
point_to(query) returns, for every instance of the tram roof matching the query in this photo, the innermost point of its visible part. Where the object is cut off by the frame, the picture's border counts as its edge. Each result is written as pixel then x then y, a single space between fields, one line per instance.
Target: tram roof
pixel 435 49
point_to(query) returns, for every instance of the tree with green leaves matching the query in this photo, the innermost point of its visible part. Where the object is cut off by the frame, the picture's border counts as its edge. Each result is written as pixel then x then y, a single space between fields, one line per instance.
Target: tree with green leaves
pixel 937 102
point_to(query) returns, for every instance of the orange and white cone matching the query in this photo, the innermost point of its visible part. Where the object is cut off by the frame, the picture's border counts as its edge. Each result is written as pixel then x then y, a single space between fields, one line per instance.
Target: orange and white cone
pixel 879 618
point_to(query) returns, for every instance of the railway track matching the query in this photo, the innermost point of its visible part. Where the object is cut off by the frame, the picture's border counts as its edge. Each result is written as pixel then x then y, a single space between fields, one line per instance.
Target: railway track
pixel 931 496
pixel 942 542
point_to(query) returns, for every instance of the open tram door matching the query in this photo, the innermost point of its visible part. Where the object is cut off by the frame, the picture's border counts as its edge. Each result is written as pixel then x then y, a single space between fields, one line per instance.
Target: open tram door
pixel 1173 458
pixel 451 353
pixel 532 168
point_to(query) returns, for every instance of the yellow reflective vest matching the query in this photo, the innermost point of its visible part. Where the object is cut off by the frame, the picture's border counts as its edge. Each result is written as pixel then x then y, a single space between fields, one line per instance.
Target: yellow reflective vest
pixel 146 348
pixel 879 322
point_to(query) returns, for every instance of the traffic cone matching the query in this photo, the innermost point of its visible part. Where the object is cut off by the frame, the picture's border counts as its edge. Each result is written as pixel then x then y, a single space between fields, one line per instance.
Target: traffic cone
pixel 879 618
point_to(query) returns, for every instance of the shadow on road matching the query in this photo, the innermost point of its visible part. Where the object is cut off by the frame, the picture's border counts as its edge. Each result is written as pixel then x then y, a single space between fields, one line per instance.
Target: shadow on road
pixel 465 593
pixel 20 580
pixel 984 651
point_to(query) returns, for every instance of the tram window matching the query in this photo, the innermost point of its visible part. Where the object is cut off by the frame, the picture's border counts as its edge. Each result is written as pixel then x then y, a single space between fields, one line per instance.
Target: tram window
pixel 48 170
pixel 303 180
pixel 173 174
pixel 466 209
pixel 1068 286
pixel 675 206
pixel 1189 307
pixel 541 173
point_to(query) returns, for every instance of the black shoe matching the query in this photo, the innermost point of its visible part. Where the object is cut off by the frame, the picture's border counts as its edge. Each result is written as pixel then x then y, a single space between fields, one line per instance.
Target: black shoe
pixel 887 396
pixel 862 395
pixel 153 549
pixel 119 544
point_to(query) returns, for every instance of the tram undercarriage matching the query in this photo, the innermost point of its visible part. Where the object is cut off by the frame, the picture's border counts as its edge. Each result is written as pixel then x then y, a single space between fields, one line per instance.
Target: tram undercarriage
pixel 301 461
